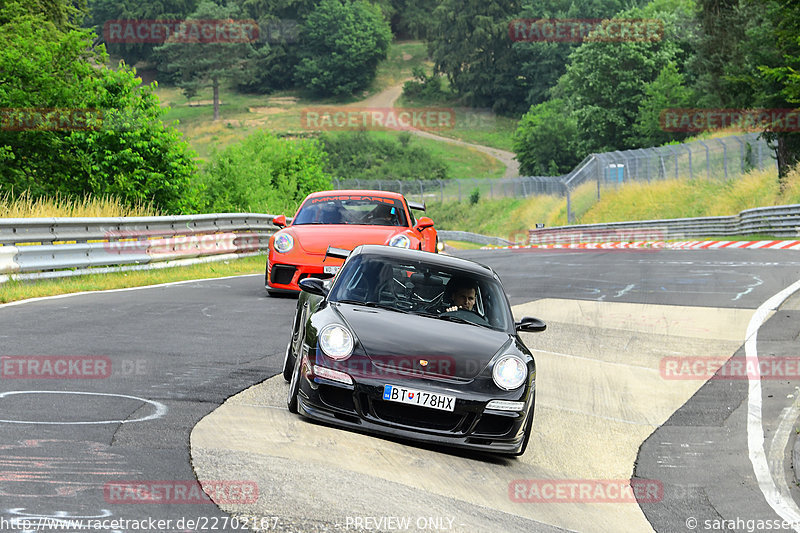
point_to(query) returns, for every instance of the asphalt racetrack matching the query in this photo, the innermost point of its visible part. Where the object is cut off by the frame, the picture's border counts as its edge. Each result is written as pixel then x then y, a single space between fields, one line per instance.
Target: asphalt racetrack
pixel 113 404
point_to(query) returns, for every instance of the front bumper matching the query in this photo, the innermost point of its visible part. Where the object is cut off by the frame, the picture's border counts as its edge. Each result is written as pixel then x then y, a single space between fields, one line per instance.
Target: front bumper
pixel 285 277
pixel 361 407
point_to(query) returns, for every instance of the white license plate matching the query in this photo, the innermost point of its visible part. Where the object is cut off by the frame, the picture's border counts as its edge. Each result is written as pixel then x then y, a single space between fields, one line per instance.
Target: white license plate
pixel 331 269
pixel 418 397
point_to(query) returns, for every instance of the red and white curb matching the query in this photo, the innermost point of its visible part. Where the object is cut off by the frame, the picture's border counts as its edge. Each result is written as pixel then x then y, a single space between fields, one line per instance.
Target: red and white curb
pixel 662 245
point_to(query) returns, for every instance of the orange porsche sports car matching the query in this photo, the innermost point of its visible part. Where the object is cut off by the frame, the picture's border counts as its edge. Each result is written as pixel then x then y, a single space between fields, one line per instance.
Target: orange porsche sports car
pixel 341 219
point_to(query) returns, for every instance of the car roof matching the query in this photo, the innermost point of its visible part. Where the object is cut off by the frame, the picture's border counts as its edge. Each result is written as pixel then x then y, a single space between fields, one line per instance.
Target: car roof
pixel 359 192
pixel 439 260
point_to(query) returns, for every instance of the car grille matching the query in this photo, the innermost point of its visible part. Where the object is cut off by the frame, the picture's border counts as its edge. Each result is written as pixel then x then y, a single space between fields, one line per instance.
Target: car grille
pixel 282 274
pixel 493 425
pixel 417 417
pixel 337 398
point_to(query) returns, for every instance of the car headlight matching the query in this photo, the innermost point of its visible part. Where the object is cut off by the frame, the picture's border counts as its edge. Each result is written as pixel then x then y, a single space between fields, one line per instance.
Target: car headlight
pixel 283 243
pixel 400 241
pixel 336 341
pixel 509 372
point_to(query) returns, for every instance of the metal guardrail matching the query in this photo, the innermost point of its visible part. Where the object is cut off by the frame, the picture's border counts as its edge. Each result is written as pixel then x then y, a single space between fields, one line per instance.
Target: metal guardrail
pixel 466 236
pixel 778 221
pixel 53 244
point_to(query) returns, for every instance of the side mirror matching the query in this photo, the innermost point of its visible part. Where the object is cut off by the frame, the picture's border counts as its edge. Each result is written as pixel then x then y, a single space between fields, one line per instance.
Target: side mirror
pixel 314 286
pixel 530 325
pixel 423 223
pixel 279 221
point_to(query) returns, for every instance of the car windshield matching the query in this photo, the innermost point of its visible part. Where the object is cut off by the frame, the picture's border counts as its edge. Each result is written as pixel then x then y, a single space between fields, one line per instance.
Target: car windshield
pixel 351 209
pixel 421 288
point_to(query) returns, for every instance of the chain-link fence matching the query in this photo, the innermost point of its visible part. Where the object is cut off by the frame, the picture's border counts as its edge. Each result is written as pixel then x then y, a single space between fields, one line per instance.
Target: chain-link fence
pixel 725 157
pixel 461 189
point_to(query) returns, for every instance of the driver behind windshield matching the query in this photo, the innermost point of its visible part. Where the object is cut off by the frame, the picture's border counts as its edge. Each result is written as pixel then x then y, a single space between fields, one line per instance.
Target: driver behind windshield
pixel 462 293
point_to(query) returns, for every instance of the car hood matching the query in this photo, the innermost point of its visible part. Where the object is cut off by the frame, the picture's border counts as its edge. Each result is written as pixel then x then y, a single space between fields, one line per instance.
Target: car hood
pixel 315 238
pixel 394 340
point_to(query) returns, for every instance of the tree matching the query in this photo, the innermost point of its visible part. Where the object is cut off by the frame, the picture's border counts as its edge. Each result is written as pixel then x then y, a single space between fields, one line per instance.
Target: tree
pixel 667 91
pixel 541 64
pixel 778 81
pixel 264 174
pixel 606 79
pixel 364 156
pixel 198 64
pixel 104 12
pixel 411 18
pixel 546 140
pixel 72 126
pixel 469 43
pixel 721 62
pixel 342 42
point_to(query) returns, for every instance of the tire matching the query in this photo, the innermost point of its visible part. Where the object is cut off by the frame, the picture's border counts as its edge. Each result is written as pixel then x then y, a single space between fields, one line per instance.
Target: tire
pixel 288 363
pixel 289 357
pixel 294 387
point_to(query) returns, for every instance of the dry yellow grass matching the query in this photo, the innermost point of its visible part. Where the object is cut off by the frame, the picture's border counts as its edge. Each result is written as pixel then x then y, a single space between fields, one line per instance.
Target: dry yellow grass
pixel 26 206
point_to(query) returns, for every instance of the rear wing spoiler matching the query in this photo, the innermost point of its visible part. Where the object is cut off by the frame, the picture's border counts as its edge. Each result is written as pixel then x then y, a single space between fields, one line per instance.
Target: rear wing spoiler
pixel 416 205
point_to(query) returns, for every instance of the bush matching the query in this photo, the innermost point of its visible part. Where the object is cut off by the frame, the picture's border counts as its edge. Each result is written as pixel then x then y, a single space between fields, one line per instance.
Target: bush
pixel 428 88
pixel 368 157
pixel 546 140
pixel 264 174
pixel 122 149
pixel 342 43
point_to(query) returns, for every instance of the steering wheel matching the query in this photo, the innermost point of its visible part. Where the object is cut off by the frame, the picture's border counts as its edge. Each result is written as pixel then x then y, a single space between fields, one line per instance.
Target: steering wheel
pixel 468 315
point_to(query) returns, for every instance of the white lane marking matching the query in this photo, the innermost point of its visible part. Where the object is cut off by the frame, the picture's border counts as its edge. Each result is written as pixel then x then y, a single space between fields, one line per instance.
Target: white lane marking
pixel 785 508
pixel 57 296
pixel 623 291
pixel 160 408
pixel 778 446
pixel 750 288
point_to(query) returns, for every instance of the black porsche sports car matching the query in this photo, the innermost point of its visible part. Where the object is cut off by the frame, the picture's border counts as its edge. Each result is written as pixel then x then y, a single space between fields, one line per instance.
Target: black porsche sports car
pixel 413 345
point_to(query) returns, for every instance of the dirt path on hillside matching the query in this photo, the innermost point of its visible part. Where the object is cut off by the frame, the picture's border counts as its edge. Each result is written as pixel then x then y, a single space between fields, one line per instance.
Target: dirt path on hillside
pixel 388 97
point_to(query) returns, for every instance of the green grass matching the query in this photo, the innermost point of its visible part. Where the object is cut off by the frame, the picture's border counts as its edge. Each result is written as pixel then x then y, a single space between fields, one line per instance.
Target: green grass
pixel 21 290
pixel 477 126
pixel 403 57
pixel 463 162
